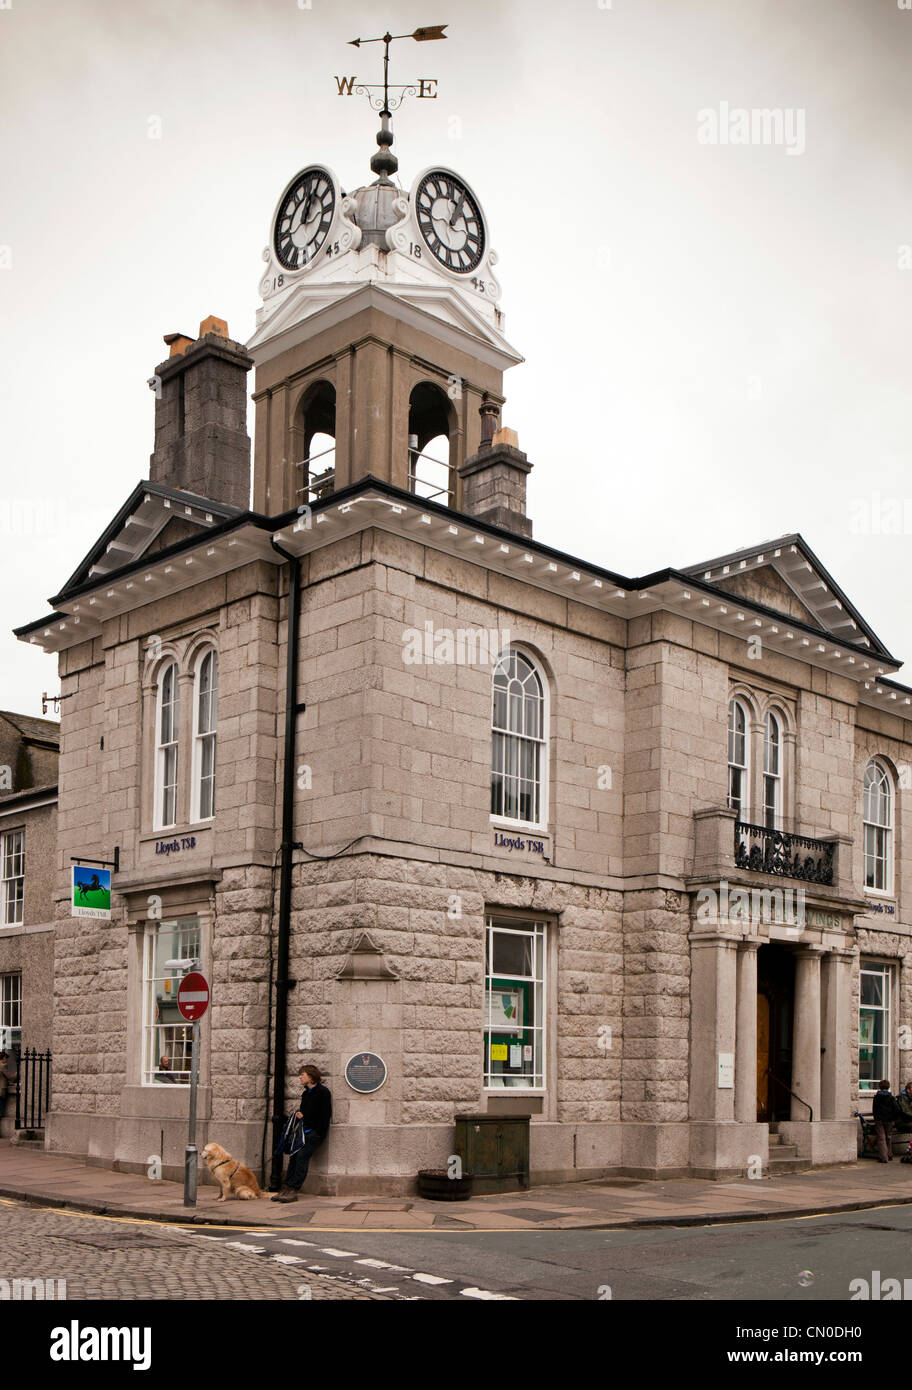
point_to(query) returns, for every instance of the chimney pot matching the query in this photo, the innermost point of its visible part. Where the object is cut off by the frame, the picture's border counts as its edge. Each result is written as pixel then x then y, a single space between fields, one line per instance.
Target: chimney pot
pixel 178 343
pixel 213 325
pixel 506 436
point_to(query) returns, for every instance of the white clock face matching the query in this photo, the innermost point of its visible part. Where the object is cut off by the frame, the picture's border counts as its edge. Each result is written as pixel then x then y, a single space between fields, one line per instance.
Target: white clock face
pixel 304 219
pixel 450 221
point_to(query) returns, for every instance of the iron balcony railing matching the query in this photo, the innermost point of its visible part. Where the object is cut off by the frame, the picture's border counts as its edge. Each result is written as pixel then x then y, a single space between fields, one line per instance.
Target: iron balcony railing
pixel 767 851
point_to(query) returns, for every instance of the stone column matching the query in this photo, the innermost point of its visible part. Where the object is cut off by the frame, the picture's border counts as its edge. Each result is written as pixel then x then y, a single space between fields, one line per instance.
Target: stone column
pixel 836 1065
pixel 806 1034
pixel 712 1025
pixel 746 1035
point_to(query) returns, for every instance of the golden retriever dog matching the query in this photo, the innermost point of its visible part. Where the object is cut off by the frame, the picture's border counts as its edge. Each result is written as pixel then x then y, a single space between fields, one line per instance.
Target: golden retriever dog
pixel 233 1178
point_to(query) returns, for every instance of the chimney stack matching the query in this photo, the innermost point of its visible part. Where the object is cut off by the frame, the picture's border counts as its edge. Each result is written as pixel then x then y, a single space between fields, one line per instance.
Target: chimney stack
pixel 201 441
pixel 494 479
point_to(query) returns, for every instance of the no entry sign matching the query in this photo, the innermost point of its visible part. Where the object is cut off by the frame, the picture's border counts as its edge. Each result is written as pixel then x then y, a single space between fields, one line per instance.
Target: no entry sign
pixel 193 996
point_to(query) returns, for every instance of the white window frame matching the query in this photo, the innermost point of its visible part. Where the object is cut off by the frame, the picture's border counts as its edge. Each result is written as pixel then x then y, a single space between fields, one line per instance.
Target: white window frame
pixel 772 771
pixel 12 878
pixel 164 747
pixel 203 736
pixel 744 768
pixel 536 929
pixel 882 970
pixel 887 827
pixel 11 1000
pixel 188 935
pixel 543 745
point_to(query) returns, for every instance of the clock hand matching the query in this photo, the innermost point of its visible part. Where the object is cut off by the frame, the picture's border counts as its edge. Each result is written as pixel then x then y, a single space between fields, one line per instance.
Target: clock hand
pixel 458 210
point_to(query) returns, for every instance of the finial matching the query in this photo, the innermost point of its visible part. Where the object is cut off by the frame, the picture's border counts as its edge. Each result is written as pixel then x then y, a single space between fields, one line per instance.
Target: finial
pixel 384 162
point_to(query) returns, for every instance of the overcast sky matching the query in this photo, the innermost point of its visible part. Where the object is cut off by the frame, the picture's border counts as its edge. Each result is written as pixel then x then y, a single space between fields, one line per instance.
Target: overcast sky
pixel 716 334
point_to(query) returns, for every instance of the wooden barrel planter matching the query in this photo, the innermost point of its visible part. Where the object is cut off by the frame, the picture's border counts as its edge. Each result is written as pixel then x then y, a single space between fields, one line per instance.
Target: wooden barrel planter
pixel 438 1186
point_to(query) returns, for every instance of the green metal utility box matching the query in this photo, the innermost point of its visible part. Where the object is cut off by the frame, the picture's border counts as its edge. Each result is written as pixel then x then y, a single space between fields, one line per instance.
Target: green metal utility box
pixel 494 1149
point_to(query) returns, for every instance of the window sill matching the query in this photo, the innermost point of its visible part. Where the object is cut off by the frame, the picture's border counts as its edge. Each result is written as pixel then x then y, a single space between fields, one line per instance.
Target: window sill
pixel 173 832
pixel 524 826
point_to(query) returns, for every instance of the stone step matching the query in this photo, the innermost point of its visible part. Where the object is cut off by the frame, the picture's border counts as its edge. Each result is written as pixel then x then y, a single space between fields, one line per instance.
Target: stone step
pixel 788 1165
pixel 783 1151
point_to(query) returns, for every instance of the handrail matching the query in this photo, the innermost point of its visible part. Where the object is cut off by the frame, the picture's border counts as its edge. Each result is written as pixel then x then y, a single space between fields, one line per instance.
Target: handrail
pixel 794 1094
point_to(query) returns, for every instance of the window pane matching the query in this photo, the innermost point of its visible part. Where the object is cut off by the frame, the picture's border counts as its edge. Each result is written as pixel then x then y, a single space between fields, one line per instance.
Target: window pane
pixel 872 989
pixel 512 954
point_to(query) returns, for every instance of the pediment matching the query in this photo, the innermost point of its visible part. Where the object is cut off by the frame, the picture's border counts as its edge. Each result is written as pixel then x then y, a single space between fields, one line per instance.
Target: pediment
pixel 152 518
pixel 787 577
pixel 312 306
pixel 765 586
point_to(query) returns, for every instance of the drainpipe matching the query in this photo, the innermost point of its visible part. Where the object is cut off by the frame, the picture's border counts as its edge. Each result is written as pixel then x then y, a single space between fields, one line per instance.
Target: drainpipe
pixel 282 983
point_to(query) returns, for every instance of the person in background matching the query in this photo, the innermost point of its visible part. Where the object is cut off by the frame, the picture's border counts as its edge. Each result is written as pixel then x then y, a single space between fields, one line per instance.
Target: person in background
pixel 7 1080
pixel 164 1073
pixel 314 1118
pixel 886 1113
pixel 904 1101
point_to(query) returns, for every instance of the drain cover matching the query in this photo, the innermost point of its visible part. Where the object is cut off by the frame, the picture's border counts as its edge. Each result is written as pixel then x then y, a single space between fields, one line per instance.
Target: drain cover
pixel 379 1206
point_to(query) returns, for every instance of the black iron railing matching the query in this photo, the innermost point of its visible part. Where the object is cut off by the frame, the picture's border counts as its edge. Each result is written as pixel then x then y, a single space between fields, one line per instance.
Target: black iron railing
pixel 771 1076
pixel 779 852
pixel 33 1093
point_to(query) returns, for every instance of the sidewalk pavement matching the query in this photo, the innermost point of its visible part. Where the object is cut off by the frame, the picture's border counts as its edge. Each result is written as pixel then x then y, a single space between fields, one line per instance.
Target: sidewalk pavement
pixel 618 1203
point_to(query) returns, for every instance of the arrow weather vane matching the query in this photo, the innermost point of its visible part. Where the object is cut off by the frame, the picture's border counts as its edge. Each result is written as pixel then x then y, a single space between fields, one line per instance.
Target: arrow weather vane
pixel 384 162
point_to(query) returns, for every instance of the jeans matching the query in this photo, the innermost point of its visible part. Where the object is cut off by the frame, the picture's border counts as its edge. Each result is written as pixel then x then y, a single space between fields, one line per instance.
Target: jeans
pixel 297 1168
pixel 884 1132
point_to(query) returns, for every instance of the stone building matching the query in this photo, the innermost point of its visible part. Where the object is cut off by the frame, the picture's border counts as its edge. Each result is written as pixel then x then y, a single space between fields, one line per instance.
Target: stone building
pixel 624 854
pixel 28 851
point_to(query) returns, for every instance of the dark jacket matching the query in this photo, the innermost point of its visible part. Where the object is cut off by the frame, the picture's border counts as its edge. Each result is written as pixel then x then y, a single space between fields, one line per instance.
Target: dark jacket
pixel 316 1109
pixel 886 1107
pixel 904 1101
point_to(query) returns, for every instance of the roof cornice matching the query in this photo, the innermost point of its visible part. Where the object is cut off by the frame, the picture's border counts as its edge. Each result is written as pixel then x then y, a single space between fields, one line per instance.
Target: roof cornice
pixel 372 502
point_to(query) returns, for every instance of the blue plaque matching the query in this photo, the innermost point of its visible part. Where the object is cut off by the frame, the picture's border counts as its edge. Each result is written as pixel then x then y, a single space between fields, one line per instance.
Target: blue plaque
pixel 365 1072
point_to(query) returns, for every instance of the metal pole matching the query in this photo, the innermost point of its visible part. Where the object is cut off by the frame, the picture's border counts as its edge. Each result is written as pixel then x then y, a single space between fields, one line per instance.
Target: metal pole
pixel 190 1161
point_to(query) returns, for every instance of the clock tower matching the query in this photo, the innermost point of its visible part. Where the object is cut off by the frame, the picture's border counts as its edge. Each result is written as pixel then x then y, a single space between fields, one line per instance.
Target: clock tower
pixel 379 347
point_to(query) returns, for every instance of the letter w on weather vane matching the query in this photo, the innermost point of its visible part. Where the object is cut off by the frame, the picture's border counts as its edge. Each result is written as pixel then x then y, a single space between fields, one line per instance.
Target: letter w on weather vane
pixel 387 102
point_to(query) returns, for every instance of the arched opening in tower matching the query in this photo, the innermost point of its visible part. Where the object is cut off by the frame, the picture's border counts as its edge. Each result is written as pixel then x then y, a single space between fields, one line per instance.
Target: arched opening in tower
pixel 316 437
pixel 431 421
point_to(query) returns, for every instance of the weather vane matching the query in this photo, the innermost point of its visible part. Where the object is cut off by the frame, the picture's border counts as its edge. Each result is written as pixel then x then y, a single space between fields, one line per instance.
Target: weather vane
pixel 384 162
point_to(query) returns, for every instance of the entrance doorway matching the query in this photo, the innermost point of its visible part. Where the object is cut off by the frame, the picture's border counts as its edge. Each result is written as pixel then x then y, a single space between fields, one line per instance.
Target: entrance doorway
pixel 775 1013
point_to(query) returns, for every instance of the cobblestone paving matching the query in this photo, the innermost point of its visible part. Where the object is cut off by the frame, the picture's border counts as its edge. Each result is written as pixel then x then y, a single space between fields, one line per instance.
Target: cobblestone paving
pixel 100 1258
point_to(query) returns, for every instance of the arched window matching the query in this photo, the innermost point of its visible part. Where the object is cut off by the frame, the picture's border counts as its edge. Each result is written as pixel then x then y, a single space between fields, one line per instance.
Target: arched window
pixel 738 756
pixel 772 773
pixel 878 828
pixel 315 442
pixel 166 728
pixel 205 705
pixel 519 746
pixel 429 473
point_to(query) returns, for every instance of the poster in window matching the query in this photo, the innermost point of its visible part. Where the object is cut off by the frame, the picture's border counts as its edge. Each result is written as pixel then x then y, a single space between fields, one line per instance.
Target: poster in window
pixel 505 1010
pixel 866 1033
